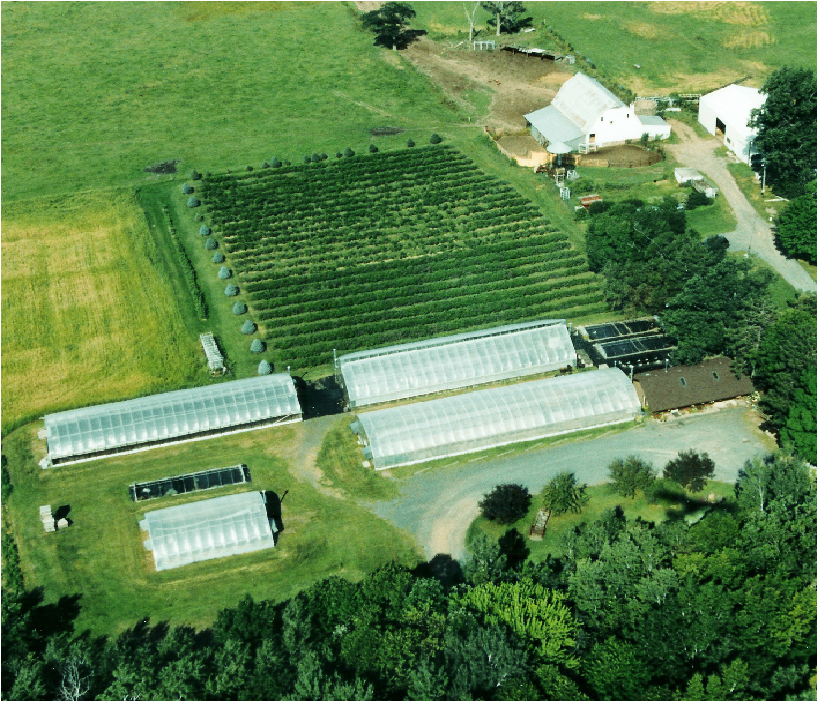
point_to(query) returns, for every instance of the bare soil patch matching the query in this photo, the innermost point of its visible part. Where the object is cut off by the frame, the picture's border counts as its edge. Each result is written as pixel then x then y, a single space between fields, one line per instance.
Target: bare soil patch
pixel 519 84
pixel 627 156
pixel 520 145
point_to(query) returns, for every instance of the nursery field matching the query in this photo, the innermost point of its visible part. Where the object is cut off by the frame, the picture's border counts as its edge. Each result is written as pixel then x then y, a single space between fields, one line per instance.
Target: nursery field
pixel 383 248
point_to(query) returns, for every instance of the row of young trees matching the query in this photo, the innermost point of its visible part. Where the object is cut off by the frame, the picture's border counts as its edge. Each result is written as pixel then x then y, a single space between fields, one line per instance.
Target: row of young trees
pixel 721 610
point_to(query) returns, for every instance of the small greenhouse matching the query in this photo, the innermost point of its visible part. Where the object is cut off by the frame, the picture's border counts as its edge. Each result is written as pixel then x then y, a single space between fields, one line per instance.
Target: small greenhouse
pixel 205 530
pixel 464 360
pixel 137 424
pixel 497 416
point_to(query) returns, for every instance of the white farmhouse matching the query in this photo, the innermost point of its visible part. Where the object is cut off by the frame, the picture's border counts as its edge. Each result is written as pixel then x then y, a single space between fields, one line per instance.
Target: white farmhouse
pixel 585 116
pixel 727 111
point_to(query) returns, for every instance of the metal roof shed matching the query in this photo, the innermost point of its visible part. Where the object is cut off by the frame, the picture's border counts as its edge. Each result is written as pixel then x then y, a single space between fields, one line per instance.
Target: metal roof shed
pixel 187 414
pixel 462 360
pixel 487 418
pixel 209 529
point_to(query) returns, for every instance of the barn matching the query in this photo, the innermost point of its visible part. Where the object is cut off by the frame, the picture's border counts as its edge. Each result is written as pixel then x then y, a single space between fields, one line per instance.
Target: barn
pixel 467 423
pixel 585 116
pixel 186 414
pixel 452 362
pixel 726 112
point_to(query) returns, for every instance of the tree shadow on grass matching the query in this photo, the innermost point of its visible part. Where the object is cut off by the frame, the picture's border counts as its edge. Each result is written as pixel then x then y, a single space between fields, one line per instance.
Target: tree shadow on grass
pixel 49 620
pixel 689 506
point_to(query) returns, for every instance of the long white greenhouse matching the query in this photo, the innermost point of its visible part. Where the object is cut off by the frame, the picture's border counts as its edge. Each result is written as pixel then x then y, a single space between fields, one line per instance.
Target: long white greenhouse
pixel 463 360
pixel 186 414
pixel 497 416
pixel 205 530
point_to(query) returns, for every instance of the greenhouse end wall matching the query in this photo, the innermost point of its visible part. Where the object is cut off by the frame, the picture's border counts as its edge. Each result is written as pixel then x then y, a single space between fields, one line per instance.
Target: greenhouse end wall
pixel 498 416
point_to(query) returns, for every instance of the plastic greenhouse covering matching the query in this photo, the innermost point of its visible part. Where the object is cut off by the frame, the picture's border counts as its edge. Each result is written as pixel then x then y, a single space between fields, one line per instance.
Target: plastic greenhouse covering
pixel 208 529
pixel 171 416
pixel 463 360
pixel 497 416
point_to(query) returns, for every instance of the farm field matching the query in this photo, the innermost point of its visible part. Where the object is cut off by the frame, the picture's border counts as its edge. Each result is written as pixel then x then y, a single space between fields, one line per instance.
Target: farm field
pixel 99 561
pixel 678 46
pixel 377 249
pixel 89 313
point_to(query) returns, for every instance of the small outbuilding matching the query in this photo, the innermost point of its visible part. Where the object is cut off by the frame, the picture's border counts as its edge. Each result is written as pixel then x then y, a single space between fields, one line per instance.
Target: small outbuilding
pixel 726 112
pixel 689 385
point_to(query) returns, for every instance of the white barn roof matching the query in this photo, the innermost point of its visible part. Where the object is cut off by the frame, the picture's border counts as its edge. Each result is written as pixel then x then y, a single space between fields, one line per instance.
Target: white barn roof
pixel 170 416
pixel 463 360
pixel 733 105
pixel 491 417
pixel 204 530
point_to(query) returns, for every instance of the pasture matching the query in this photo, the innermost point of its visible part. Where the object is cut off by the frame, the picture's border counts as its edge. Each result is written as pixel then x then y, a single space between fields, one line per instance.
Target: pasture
pixel 88 312
pixel 100 559
pixel 374 249
pixel 679 46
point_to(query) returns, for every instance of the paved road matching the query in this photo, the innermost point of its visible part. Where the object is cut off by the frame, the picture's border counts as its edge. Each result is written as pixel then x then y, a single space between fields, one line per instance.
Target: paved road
pixel 752 232
pixel 438 506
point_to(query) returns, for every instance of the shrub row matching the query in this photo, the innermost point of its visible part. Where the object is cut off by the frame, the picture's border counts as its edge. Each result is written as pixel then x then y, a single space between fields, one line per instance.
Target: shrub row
pixel 187 268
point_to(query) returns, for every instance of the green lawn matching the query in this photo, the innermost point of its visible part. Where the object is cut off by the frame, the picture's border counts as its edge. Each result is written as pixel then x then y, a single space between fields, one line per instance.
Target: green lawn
pixel 101 558
pixel 601 497
pixel 93 93
pixel 683 47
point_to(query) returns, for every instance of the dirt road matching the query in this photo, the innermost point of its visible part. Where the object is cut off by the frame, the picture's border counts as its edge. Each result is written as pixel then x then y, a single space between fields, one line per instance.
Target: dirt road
pixel 752 233
pixel 438 506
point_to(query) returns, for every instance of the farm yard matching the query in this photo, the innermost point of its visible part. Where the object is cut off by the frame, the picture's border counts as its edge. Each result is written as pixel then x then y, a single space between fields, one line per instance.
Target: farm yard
pixel 383 248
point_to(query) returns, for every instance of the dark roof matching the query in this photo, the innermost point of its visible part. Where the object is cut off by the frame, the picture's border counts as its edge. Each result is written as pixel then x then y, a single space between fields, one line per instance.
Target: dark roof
pixel 630 348
pixel 686 385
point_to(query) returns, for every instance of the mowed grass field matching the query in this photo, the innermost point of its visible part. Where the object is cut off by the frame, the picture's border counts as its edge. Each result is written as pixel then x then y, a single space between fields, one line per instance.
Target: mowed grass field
pixel 87 316
pixel 101 559
pixel 93 93
pixel 679 46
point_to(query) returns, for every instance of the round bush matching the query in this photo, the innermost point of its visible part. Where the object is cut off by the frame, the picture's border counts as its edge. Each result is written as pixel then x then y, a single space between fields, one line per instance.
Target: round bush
pixel 195 175
pixel 324 156
pixel 231 290
pixel 218 257
pixel 275 163
pixel 307 159
pixel 348 152
pixel 264 368
pixel 373 148
pixel 436 139
pixel 249 169
pixel 264 165
pixel 205 230
pixel 239 308
pixel 257 346
pixel 224 273
pixel 210 245
pixel 198 217
pixel 287 163
pixel 187 189
pixel 316 158
pixel 193 202
pixel 410 143
pixel 248 327
pixel 506 503
pixel 338 155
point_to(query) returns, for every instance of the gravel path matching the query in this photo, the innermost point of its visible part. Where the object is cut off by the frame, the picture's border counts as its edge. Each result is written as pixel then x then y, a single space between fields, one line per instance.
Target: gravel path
pixel 752 233
pixel 438 506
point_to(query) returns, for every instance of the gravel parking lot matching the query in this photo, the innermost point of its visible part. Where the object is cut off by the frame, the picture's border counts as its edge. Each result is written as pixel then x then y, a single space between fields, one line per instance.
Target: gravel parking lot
pixel 437 506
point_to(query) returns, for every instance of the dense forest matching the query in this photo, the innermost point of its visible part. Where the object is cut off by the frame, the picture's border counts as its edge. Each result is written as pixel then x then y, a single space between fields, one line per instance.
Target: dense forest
pixel 724 608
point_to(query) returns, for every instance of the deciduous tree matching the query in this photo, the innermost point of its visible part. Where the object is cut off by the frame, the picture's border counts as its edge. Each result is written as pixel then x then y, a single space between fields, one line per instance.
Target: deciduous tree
pixel 690 469
pixel 564 493
pixel 796 228
pixel 389 23
pixel 505 503
pixel 630 474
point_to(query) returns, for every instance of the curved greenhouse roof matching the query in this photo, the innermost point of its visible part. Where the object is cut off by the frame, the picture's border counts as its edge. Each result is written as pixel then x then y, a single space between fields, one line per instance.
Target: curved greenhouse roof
pixel 204 530
pixel 183 414
pixel 490 417
pixel 467 359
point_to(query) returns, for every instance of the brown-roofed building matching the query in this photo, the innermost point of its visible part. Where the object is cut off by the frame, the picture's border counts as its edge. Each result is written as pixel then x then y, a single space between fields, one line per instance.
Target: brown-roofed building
pixel 688 385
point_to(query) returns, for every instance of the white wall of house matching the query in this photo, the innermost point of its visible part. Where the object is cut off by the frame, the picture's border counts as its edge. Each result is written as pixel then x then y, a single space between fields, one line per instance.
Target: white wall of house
pixel 732 105
pixel 615 126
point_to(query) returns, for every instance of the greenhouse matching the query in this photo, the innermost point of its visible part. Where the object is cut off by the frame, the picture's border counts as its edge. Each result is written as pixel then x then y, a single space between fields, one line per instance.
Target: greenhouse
pixel 187 414
pixel 464 360
pixel 497 416
pixel 205 530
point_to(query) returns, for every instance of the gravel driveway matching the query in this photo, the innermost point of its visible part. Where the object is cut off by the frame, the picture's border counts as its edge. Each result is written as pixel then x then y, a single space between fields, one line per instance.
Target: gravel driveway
pixel 439 505
pixel 752 232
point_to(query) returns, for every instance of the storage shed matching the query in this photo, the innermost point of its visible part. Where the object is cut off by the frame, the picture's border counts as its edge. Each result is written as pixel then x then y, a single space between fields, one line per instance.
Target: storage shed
pixel 470 422
pixel 186 414
pixel 726 112
pixel 452 362
pixel 209 529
